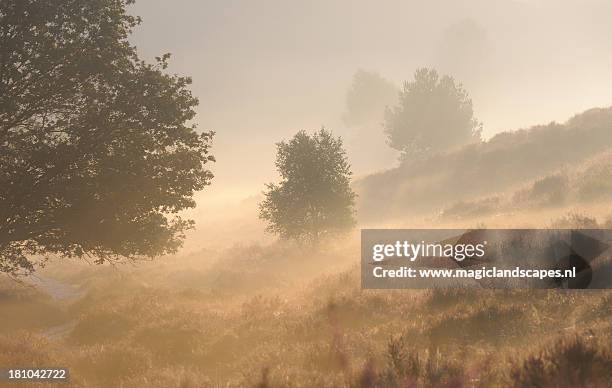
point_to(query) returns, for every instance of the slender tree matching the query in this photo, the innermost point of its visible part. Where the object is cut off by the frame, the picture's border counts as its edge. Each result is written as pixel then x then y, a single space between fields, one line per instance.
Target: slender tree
pixel 434 114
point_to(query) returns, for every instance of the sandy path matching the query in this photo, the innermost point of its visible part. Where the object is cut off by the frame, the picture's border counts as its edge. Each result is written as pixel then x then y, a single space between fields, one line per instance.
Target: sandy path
pixel 61 292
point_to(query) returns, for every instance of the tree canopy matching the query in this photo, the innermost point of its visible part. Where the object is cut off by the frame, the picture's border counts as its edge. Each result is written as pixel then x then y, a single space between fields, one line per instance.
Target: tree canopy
pixel 367 98
pixel 433 114
pixel 314 198
pixel 97 153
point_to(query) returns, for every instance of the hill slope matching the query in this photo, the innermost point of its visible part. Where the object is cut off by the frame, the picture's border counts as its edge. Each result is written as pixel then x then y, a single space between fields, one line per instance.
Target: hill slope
pixel 505 160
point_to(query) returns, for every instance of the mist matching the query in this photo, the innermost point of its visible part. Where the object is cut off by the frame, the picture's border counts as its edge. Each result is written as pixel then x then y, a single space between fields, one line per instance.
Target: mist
pixel 264 70
pixel 500 117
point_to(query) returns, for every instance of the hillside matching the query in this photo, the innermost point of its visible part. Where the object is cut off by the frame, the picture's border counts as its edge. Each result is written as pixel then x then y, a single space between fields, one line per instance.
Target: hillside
pixel 505 160
pixel 282 315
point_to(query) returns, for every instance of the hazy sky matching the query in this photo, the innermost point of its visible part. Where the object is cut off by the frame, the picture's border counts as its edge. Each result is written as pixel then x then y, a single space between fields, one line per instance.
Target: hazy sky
pixel 264 69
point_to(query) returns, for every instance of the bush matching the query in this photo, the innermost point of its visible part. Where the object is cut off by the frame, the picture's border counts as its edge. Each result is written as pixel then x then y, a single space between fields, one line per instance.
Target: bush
pixel 408 368
pixel 575 221
pixel 574 363
pixel 550 190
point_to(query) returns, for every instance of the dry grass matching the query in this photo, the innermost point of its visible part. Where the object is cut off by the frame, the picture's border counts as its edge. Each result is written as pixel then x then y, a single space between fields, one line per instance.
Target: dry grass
pixel 288 316
pixel 325 332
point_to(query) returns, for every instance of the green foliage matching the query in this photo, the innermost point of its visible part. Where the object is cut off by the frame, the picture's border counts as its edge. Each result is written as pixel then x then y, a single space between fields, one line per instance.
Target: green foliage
pixel 434 114
pixel 95 145
pixel 314 197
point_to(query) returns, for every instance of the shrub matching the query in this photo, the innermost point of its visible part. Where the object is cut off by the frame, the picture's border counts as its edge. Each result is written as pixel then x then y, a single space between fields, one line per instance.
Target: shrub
pixel 566 364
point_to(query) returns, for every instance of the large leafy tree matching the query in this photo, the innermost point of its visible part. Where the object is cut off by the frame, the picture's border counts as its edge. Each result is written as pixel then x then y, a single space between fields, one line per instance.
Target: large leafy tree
pixel 314 198
pixel 434 114
pixel 96 151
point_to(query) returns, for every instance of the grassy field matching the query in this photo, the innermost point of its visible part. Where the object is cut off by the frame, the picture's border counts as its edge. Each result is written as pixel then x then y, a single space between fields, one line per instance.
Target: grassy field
pixel 278 316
